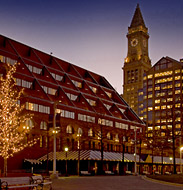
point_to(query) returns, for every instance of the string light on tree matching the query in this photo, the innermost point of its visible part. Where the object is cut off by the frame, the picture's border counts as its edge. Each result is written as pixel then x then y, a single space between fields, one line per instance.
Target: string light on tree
pixel 12 118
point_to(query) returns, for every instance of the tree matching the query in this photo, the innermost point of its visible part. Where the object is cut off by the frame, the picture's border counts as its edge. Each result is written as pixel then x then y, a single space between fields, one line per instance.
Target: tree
pixel 12 118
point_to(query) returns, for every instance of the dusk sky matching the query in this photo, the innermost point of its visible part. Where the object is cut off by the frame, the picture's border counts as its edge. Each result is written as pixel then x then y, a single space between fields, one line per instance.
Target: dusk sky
pixel 92 33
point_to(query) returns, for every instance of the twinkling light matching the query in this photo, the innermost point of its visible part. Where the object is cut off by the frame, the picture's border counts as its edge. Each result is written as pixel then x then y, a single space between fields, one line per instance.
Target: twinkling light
pixel 12 117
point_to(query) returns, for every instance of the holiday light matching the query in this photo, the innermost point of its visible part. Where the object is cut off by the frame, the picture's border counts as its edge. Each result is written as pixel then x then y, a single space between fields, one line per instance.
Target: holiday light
pixel 12 118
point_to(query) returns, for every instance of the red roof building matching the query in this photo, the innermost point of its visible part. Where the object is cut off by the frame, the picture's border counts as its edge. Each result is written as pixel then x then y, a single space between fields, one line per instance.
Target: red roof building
pixel 87 107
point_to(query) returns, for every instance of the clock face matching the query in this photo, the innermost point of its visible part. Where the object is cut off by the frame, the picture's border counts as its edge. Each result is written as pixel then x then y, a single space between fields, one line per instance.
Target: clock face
pixel 134 42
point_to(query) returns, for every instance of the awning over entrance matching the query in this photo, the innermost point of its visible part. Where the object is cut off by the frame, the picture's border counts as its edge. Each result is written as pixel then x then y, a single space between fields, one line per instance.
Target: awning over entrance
pixel 90 155
pixel 107 156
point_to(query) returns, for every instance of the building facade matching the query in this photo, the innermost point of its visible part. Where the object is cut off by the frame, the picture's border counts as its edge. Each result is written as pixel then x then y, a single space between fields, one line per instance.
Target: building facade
pixel 160 104
pixel 137 61
pixel 90 115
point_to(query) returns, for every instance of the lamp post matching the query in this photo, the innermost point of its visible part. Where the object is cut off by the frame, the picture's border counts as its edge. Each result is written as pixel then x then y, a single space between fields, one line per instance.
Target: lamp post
pixel 66 150
pixel 181 149
pixel 54 141
pixel 78 135
pixel 135 154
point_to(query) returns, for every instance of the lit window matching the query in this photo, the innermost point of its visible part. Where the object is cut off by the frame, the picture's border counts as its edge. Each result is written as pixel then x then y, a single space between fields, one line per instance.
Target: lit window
pixel 157 107
pixel 178 126
pixel 150 108
pixel 162 134
pixel 69 129
pixel 163 127
pixel 157 127
pixel 29 123
pixel 149 76
pixel 177 92
pixel 116 138
pixel 109 136
pixel 177 71
pixel 157 88
pixel 157 101
pixel 177 77
pixel 163 107
pixel 150 128
pixel 43 125
pixel 80 131
pixel 90 132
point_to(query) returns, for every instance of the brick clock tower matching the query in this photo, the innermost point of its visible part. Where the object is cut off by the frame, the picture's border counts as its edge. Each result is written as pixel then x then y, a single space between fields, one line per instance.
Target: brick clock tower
pixel 137 61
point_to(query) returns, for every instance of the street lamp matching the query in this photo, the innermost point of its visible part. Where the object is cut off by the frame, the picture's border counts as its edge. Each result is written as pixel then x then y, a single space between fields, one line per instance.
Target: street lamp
pixel 66 150
pixel 79 135
pixel 181 149
pixel 135 154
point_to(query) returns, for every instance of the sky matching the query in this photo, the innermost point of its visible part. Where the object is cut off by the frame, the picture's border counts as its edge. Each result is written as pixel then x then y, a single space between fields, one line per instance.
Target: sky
pixel 92 33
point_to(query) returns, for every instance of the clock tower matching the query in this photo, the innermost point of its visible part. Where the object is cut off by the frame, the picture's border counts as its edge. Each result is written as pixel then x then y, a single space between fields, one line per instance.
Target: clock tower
pixel 137 61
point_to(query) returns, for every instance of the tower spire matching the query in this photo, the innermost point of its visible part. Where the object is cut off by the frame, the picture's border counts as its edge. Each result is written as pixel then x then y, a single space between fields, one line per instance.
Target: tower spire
pixel 137 18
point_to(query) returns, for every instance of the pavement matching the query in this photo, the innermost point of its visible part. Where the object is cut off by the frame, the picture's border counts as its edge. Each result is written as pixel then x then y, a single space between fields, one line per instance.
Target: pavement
pixel 111 183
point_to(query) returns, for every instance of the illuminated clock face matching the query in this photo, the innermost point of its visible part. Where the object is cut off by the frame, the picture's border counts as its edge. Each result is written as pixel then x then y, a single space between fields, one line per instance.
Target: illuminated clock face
pixel 134 42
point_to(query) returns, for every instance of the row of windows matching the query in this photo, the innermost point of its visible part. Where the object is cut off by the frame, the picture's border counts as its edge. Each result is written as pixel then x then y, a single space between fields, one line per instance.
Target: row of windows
pixel 105 122
pixel 162 74
pixel 23 83
pixel 86 118
pixel 65 113
pixel 37 107
pixel 7 60
pixel 34 69
pixel 69 130
pixel 121 125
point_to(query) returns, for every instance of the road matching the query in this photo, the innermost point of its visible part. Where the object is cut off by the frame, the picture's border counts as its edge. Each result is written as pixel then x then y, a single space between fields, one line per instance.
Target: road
pixel 109 183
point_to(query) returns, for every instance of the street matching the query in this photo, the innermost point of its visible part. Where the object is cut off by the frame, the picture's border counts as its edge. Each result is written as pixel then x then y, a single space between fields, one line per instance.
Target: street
pixel 109 183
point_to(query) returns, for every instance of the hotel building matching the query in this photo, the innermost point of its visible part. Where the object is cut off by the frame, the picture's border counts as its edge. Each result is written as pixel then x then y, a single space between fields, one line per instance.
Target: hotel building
pixel 87 110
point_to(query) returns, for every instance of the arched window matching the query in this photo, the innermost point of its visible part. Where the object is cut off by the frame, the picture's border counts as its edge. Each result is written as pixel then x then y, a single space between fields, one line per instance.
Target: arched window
pixel 108 136
pixel 80 131
pixel 43 125
pixel 69 129
pixel 116 138
pixel 29 123
pixel 90 132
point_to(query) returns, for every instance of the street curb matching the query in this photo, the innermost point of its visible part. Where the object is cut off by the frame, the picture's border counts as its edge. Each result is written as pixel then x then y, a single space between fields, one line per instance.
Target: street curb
pixel 161 182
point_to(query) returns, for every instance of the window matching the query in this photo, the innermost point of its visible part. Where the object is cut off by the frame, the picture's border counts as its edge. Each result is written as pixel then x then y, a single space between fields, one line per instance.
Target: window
pixel 90 132
pixel 57 77
pixel 7 60
pixel 29 123
pixel 109 136
pixel 71 96
pixel 67 114
pixel 116 138
pixel 43 125
pixel 44 109
pixel 91 102
pixel 80 131
pixel 69 129
pixel 77 84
